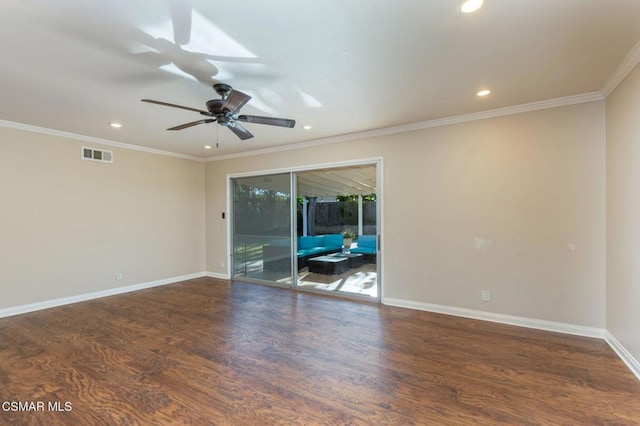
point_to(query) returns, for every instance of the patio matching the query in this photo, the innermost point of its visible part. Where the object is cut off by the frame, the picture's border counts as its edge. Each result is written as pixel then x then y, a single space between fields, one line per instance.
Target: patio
pixel 360 281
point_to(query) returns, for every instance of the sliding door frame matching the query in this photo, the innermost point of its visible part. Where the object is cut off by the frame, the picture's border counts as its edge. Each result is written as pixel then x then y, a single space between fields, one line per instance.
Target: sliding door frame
pixel 377 161
pixel 231 225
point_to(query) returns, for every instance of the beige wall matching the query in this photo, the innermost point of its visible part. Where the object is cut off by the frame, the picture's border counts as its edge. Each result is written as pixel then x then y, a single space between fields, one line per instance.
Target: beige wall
pixel 514 204
pixel 68 225
pixel 623 213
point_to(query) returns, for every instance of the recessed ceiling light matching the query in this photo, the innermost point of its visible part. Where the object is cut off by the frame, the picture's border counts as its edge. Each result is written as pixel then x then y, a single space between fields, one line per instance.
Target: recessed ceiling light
pixel 207 147
pixel 306 127
pixel 116 125
pixel 470 6
pixel 483 92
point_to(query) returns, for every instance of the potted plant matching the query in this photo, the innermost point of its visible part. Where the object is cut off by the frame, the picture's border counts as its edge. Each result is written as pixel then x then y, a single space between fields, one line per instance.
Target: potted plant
pixel 347 238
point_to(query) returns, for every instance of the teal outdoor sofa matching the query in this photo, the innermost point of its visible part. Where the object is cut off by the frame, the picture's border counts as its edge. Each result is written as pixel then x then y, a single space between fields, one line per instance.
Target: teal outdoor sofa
pixel 368 246
pixel 275 255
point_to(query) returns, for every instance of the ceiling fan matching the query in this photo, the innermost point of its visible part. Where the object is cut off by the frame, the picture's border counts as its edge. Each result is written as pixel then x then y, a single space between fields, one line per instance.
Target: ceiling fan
pixel 226 112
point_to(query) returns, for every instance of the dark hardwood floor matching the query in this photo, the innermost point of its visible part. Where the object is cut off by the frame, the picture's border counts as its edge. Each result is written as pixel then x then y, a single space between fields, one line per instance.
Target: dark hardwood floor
pixel 209 352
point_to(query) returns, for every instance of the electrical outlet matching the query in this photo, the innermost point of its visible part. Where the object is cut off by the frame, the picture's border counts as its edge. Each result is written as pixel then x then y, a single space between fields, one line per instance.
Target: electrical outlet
pixel 486 295
pixel 222 264
pixel 118 276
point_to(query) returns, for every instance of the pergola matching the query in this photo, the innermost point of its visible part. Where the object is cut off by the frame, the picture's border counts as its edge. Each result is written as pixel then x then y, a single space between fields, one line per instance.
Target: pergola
pixel 352 180
pixel 357 180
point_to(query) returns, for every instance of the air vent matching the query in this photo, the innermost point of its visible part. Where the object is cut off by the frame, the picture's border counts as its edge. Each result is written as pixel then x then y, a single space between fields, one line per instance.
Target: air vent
pixel 97 155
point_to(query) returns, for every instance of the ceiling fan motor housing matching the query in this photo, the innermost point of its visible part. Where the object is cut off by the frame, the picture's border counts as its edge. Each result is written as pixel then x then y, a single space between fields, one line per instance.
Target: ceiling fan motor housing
pixel 222 89
pixel 214 106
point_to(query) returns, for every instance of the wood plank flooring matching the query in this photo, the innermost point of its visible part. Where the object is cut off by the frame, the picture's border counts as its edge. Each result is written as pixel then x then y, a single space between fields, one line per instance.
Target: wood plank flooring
pixel 209 352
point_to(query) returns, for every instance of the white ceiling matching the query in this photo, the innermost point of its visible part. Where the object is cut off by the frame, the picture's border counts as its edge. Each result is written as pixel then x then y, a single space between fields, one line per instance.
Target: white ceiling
pixel 339 66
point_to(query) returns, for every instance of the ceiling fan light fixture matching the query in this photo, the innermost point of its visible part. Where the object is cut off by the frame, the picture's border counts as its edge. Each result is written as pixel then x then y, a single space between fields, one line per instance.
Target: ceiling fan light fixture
pixel 225 112
pixel 470 6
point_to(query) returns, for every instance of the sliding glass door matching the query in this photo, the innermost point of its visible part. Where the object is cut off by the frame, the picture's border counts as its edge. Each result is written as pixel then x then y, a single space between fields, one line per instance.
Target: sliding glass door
pixel 335 203
pixel 290 229
pixel 262 228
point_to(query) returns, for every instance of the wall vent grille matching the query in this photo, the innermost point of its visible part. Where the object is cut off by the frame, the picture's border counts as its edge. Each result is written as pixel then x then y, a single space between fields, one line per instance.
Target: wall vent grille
pixel 97 155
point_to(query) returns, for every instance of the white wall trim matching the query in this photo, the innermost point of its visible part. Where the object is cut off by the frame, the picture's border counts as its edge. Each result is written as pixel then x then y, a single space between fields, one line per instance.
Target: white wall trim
pixel 380 231
pixel 91 139
pixel 218 275
pixel 517 109
pixel 626 66
pixel 557 327
pixel 230 261
pixel 623 353
pixel 17 310
pixel 314 166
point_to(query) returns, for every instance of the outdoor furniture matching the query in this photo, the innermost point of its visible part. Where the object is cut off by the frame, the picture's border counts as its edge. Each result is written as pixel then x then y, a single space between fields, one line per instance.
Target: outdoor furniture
pixel 310 246
pixel 328 265
pixel 367 245
pixel 276 254
pixel 356 260
pixel 336 263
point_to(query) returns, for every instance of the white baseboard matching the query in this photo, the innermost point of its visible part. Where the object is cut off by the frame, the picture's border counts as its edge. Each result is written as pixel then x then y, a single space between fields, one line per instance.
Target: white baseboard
pixel 216 275
pixel 17 310
pixel 557 327
pixel 623 353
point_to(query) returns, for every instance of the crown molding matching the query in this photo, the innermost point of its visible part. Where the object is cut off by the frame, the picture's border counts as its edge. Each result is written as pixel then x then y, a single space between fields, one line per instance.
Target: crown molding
pixel 626 66
pixel 91 139
pixel 517 109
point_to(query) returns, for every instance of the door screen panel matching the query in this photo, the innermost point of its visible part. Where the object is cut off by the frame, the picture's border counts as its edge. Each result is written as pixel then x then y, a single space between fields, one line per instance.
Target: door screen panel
pixel 262 228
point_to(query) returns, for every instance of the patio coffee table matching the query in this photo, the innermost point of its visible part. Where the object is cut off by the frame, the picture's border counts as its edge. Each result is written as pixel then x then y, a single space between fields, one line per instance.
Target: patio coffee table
pixel 336 263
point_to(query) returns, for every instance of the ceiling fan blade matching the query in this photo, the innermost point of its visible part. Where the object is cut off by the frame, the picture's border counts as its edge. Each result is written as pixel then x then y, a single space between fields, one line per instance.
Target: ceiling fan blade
pixel 181 18
pixel 240 131
pixel 193 123
pixel 151 101
pixel 235 101
pixel 272 121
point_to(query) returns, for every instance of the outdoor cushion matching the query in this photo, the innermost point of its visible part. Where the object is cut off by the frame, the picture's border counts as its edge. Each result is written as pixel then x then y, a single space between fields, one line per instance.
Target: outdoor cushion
pixel 306 242
pixel 363 250
pixel 318 240
pixel 310 245
pixel 366 241
pixel 311 251
pixel 366 244
pixel 333 240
